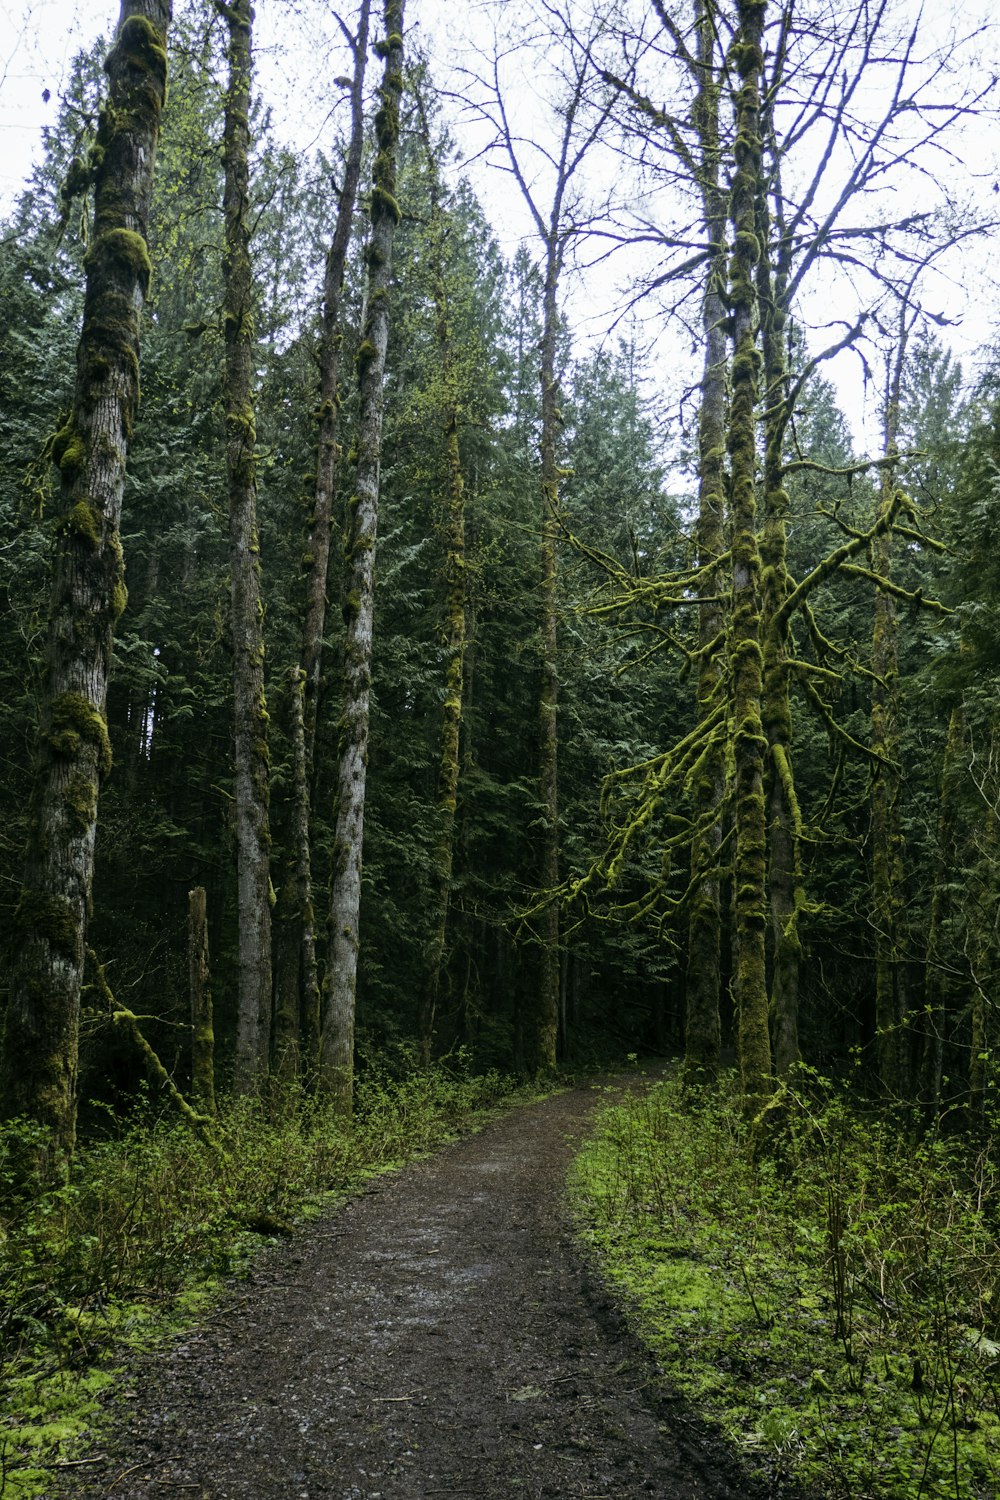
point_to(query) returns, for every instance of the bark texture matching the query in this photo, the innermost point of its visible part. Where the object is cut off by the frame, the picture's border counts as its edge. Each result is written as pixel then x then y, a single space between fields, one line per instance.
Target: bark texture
pixel 252 765
pixel 937 989
pixel 297 983
pixel 886 832
pixel 336 1053
pixel 786 893
pixel 38 1072
pixel 545 1031
pixel 296 1020
pixel 202 1030
pixel 702 1037
pixel 749 740
pixel 317 560
pixel 454 621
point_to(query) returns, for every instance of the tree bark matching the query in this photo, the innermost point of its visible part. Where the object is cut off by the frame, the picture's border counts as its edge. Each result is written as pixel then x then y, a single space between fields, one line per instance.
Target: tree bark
pixel 703 1039
pixel 336 1058
pixel 936 986
pixel 454 623
pixel 749 741
pixel 38 1074
pixel 785 887
pixel 202 1031
pixel 296 1021
pixel 252 763
pixel 327 449
pixel 545 1029
pixel 887 841
pixel 297 1034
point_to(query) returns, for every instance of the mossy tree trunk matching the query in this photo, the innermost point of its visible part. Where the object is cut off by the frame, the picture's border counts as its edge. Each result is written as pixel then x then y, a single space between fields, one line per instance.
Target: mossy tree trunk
pixel 253 839
pixel 296 1019
pixel 937 988
pixel 545 1029
pixel 202 1030
pixel 38 1072
pixel 297 984
pixel 331 342
pixel 702 1038
pixel 454 622
pixel 886 831
pixel 336 1053
pixel 749 741
pixel 786 893
pixel 983 1038
pixel 555 232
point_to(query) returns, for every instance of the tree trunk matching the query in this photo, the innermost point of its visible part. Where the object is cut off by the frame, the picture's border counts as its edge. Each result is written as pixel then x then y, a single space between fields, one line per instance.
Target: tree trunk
pixel 253 839
pixel 703 1035
pixel 985 966
pixel 297 963
pixel 454 624
pixel 545 1027
pixel 297 988
pixel 336 1076
pixel 202 1032
pixel 749 742
pixel 38 1074
pixel 936 986
pixel 785 887
pixel 327 450
pixel 887 843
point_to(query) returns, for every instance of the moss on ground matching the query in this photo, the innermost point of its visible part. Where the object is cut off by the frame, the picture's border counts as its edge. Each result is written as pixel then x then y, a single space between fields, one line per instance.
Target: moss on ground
pixel 828 1303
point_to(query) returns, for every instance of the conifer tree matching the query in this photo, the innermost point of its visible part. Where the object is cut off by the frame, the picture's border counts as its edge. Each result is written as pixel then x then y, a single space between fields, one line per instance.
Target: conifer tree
pixel 455 608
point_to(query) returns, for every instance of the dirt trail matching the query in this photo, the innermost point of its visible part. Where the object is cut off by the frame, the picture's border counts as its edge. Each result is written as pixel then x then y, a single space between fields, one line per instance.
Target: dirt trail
pixel 438 1336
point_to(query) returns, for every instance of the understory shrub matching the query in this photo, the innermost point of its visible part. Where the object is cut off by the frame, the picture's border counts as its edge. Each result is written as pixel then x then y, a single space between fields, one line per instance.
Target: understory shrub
pixel 152 1216
pixel 823 1283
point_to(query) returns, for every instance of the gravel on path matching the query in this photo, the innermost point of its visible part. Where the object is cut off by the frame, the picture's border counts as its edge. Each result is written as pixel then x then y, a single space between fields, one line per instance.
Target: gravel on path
pixel 440 1335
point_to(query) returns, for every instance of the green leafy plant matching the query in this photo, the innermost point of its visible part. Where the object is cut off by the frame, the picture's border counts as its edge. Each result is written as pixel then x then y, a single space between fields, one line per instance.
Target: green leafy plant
pixel 820 1282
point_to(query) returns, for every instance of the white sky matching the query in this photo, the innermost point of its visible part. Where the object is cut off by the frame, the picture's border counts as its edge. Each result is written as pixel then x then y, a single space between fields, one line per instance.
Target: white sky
pixel 38 39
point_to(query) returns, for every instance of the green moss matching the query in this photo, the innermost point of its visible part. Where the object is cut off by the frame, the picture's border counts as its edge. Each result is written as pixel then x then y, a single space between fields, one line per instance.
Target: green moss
pixel 82 520
pixel 40 914
pixel 74 720
pixel 69 450
pixel 366 353
pixel 81 801
pixel 384 202
pixel 141 46
pixel 122 249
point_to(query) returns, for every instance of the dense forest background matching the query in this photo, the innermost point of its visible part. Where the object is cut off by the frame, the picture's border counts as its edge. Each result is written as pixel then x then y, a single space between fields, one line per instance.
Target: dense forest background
pixel 682 725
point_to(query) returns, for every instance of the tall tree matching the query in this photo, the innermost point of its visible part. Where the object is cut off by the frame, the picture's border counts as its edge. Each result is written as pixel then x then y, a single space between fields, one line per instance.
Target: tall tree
pixel 556 226
pixel 702 1039
pixel 336 1056
pixel 298 996
pixel 749 741
pixel 455 606
pixel 252 762
pixel 38 1074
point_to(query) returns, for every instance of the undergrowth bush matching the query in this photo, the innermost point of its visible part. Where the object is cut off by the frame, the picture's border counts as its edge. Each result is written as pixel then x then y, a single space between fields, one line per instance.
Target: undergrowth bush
pixel 153 1216
pixel 824 1285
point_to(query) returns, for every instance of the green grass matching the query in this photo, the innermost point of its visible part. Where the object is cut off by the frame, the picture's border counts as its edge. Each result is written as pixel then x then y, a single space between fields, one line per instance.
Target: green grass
pixel 138 1243
pixel 831 1301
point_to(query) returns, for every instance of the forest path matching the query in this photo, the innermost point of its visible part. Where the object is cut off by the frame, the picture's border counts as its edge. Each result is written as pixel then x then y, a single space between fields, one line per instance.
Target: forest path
pixel 440 1335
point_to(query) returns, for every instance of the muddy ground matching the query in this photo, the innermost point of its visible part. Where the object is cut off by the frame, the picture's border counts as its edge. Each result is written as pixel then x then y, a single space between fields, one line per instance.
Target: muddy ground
pixel 440 1335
